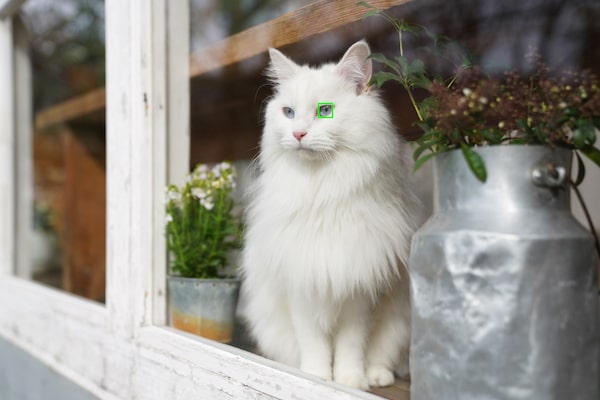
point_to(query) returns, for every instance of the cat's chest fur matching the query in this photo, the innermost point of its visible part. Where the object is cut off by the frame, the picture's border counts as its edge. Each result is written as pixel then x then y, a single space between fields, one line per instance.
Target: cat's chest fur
pixel 330 240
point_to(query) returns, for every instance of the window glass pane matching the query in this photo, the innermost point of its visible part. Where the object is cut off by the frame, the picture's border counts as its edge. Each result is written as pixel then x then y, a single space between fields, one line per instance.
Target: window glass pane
pixel 66 41
pixel 215 20
pixel 227 99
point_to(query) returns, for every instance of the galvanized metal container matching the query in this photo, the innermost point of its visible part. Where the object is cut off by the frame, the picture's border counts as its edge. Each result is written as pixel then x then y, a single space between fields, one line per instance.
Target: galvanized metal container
pixel 205 307
pixel 504 294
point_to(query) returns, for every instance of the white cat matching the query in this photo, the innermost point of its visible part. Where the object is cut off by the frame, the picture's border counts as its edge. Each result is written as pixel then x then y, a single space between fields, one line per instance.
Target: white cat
pixel 329 223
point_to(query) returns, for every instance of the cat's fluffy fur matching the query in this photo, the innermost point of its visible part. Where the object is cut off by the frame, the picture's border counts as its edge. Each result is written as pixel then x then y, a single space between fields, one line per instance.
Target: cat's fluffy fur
pixel 328 227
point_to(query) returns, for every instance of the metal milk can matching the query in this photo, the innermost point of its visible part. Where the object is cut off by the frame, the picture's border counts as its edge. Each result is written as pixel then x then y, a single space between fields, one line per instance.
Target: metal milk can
pixel 503 283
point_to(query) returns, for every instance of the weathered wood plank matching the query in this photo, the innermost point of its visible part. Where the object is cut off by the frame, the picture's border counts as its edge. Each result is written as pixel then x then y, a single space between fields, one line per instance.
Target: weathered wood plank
pixel 135 99
pixel 74 337
pixel 7 149
pixel 400 390
pixel 73 108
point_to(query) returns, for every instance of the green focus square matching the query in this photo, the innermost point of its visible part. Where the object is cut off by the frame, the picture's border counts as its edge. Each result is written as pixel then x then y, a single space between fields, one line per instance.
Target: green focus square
pixel 324 110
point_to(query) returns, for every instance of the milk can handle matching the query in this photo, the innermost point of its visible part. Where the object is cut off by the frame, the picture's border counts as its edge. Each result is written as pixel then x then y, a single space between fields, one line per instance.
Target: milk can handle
pixel 549 175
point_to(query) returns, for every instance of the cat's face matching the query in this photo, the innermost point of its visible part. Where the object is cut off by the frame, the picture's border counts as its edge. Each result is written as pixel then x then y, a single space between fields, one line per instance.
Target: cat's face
pixel 312 111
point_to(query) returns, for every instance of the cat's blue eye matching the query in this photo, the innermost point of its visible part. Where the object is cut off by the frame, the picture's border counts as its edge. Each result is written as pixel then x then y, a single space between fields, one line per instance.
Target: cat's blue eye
pixel 288 112
pixel 325 110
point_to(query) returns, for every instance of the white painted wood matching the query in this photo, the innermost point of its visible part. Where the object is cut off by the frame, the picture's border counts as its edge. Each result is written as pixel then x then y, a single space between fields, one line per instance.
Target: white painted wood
pixel 131 103
pixel 68 332
pixel 72 335
pixel 9 7
pixel 24 151
pixel 172 146
pixel 160 165
pixel 211 365
pixel 7 144
pixel 178 14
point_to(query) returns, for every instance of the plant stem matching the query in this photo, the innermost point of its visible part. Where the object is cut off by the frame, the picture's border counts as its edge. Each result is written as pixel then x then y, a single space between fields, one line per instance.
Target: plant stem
pixel 413 102
pixel 400 41
pixel 178 250
pixel 405 83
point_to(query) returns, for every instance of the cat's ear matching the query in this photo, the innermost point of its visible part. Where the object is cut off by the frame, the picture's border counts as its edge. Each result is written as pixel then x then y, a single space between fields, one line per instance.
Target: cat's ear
pixel 280 67
pixel 356 66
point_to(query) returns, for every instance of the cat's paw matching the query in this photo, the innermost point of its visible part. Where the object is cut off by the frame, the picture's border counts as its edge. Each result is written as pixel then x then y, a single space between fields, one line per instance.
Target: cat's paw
pixel 403 371
pixel 321 371
pixel 356 379
pixel 379 376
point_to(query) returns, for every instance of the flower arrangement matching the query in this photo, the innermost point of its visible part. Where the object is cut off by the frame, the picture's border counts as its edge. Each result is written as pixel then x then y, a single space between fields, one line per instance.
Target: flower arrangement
pixel 202 226
pixel 470 108
pixel 546 108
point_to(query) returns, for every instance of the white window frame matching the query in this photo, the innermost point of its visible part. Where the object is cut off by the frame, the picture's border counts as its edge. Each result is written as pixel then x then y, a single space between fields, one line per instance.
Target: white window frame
pixel 123 350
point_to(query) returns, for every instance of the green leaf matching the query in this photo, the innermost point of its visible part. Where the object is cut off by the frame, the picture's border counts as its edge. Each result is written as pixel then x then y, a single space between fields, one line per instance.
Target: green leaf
pixel 592 153
pixel 425 145
pixel 579 138
pixel 386 61
pixel 416 67
pixel 588 130
pixel 402 63
pixel 419 150
pixel 370 14
pixel 364 4
pixel 379 78
pixel 475 162
pixel 580 169
pixel 421 81
pixel 423 160
pixel 406 27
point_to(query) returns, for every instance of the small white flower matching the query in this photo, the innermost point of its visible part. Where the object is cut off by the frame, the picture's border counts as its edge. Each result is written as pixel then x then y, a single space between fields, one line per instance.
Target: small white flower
pixel 169 218
pixel 483 100
pixel 453 112
pixel 225 166
pixel 202 168
pixel 175 196
pixel 467 91
pixel 198 193
pixel 562 104
pixel 208 204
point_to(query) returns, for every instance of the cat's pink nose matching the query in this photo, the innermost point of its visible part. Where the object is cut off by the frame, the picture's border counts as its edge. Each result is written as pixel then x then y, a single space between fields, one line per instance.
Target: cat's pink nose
pixel 299 135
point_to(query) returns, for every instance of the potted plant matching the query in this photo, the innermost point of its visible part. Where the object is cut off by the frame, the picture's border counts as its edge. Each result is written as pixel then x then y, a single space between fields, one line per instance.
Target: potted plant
pixel 503 278
pixel 202 230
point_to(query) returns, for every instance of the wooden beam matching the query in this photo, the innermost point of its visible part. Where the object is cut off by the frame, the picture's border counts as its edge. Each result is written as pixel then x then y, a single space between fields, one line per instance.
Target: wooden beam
pixel 73 108
pixel 7 149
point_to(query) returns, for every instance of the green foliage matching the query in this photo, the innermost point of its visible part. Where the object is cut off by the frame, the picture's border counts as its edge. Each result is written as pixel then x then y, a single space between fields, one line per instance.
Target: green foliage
pixel 471 109
pixel 202 227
